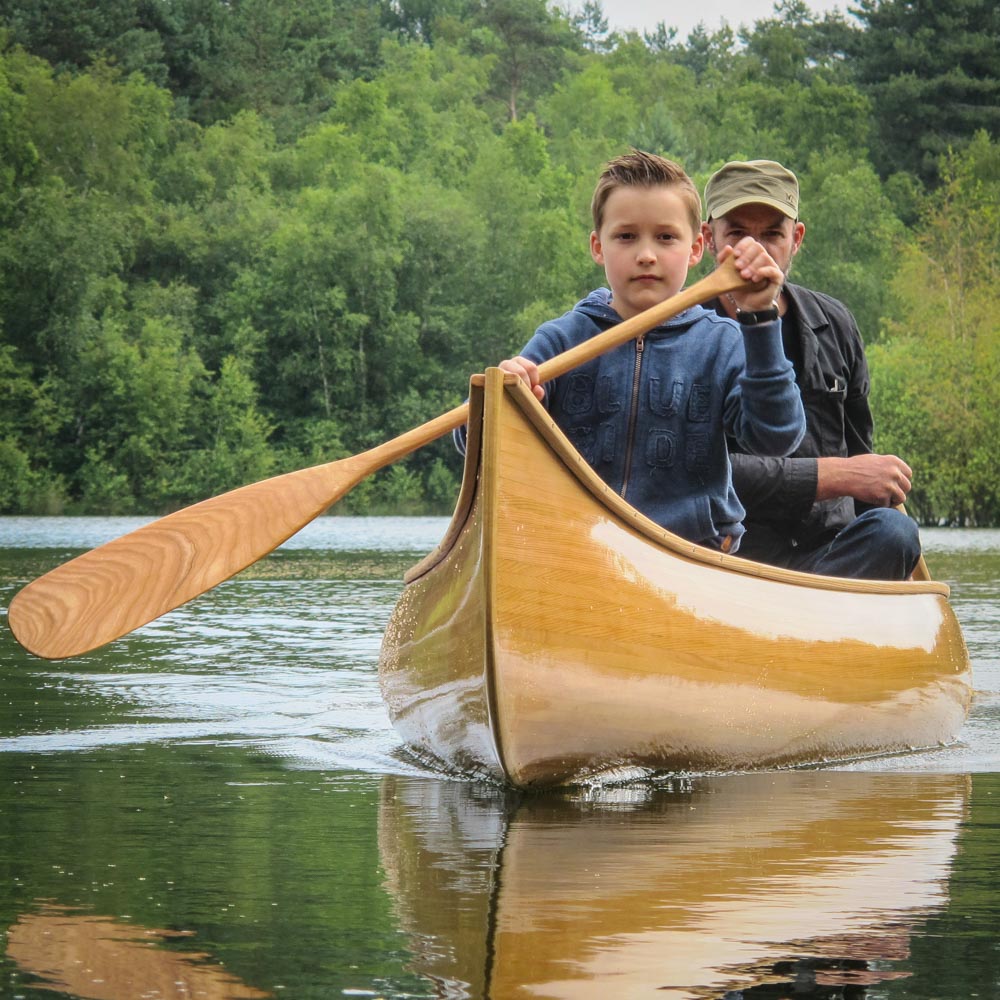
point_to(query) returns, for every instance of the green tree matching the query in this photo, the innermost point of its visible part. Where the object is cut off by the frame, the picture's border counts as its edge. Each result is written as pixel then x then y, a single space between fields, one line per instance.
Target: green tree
pixel 537 234
pixel 18 155
pixel 418 20
pixel 587 116
pixel 935 376
pixel 276 57
pixel 214 212
pixel 933 73
pixel 778 47
pixel 593 26
pixel 134 394
pixel 532 46
pixel 324 291
pixel 28 416
pixel 69 34
pixel 83 207
pixel 280 59
pixel 233 447
pixel 707 52
pixel 852 237
pixel 825 118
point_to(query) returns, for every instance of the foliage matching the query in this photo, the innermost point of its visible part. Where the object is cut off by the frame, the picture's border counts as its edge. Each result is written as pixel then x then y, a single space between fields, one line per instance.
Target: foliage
pixel 241 238
pixel 277 58
pixel 932 71
pixel 852 237
pixel 936 373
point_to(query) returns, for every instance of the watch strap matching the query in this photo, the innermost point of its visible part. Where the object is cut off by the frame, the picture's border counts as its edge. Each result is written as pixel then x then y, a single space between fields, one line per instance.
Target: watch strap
pixel 747 317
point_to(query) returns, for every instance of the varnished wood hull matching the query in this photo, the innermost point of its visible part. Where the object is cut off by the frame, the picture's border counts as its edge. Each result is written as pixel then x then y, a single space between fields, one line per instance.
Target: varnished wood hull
pixel 556 634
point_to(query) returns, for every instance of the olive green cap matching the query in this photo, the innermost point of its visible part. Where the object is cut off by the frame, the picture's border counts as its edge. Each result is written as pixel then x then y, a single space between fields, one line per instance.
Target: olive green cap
pixel 752 182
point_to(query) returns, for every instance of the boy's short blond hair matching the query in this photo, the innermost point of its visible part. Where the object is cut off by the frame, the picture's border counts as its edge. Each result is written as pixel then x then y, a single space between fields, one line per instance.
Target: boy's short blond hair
pixel 639 169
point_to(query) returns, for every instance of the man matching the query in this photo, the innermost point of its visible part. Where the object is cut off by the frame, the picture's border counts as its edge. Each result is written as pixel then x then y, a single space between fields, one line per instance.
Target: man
pixel 830 507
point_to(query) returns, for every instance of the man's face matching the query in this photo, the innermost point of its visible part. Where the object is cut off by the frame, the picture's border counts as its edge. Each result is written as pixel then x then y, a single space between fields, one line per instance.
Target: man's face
pixel 780 236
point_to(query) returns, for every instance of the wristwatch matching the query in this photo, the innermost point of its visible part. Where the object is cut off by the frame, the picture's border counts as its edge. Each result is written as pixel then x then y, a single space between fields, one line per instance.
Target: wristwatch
pixel 747 318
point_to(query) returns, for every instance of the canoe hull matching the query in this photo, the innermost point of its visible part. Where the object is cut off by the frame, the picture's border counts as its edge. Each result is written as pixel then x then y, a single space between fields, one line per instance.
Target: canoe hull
pixel 556 634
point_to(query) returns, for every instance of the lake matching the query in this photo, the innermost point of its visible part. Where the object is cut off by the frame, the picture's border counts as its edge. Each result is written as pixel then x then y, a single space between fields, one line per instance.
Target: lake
pixel 217 807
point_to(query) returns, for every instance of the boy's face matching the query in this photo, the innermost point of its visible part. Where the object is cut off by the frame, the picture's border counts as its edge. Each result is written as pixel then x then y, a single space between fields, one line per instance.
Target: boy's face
pixel 646 246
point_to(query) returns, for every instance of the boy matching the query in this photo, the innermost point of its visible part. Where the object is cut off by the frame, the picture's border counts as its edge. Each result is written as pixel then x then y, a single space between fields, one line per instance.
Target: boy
pixel 651 416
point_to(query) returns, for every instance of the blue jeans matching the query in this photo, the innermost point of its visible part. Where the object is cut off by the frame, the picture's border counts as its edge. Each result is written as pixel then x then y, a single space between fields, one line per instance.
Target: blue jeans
pixel 881 544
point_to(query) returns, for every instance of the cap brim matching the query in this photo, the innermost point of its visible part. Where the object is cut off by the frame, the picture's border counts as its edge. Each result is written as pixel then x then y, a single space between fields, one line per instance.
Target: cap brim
pixel 728 206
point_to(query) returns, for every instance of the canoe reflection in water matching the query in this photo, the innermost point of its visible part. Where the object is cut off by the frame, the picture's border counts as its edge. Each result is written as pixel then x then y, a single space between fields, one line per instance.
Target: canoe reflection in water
pixel 97 957
pixel 804 883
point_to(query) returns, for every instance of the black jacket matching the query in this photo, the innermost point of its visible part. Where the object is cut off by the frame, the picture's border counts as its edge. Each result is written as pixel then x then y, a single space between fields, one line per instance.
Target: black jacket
pixel 826 349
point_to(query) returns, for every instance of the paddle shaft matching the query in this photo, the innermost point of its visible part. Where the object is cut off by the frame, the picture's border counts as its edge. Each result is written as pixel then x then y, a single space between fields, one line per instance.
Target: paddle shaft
pixel 920 571
pixel 111 590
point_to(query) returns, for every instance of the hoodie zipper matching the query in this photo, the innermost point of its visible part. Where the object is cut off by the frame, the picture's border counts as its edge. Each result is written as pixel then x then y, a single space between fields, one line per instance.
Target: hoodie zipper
pixel 633 416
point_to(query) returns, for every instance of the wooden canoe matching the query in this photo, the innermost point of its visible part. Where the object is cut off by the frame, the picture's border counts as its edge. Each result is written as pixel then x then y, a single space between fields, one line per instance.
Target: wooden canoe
pixel 556 635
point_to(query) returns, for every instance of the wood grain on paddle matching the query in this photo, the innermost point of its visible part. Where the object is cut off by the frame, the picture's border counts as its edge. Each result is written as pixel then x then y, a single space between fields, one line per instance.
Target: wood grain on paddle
pixel 111 590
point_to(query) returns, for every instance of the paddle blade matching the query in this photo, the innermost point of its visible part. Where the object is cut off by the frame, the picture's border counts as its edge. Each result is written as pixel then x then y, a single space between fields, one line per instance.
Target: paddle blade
pixel 113 589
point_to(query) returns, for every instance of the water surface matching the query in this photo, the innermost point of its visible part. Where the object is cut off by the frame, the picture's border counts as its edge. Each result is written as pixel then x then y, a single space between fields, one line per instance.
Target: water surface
pixel 217 806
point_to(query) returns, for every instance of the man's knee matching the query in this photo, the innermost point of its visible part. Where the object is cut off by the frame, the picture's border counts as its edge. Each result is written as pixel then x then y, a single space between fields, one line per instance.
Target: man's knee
pixel 895 535
pixel 893 527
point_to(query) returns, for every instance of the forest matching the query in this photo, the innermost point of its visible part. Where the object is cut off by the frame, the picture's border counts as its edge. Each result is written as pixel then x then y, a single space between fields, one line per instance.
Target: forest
pixel 240 237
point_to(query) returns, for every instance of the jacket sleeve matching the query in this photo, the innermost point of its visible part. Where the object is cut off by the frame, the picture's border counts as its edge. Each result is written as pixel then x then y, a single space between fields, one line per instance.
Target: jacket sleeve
pixel 768 417
pixel 775 488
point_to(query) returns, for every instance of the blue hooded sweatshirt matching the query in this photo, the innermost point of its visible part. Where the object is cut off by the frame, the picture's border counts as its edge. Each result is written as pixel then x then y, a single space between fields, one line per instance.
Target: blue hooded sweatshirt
pixel 651 416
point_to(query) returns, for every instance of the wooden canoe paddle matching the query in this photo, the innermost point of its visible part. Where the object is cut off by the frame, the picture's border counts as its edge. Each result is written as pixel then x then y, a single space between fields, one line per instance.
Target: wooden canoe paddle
pixel 920 571
pixel 127 582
